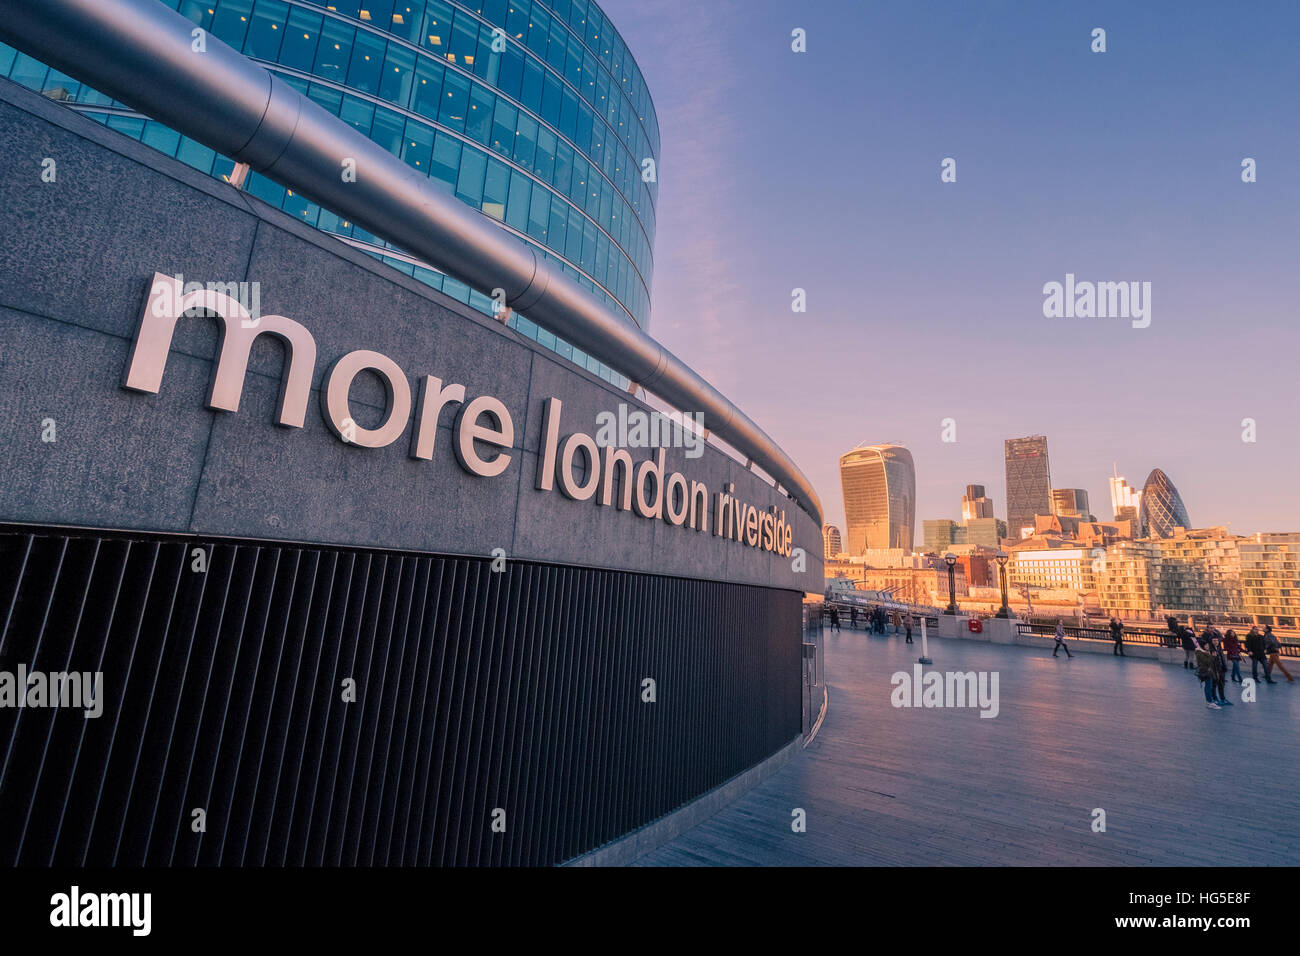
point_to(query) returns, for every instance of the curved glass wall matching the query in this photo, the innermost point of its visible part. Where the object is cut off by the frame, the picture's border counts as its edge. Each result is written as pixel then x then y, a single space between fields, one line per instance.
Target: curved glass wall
pixel 532 112
pixel 879 485
pixel 1162 508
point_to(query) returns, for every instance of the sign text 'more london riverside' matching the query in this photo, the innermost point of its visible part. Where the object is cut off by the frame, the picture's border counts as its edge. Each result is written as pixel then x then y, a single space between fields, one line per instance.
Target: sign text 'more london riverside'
pixel 642 487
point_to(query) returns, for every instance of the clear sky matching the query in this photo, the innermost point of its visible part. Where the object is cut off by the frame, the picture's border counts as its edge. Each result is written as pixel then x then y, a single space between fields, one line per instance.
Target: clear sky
pixel 821 170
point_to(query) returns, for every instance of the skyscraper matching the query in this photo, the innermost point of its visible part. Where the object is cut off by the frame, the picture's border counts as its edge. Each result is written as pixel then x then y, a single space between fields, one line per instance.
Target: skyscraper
pixel 975 504
pixel 879 483
pixel 831 540
pixel 1162 508
pixel 1124 498
pixel 1029 482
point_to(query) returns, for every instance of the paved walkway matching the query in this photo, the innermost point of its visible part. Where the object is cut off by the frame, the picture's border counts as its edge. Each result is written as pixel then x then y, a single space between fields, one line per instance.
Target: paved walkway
pixel 1180 784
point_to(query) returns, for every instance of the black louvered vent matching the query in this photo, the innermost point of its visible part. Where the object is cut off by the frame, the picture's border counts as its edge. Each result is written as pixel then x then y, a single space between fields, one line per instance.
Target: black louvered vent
pixel 476 690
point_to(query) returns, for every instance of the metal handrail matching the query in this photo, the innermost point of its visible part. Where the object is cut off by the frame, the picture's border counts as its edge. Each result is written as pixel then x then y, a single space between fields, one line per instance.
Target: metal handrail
pixel 146 55
pixel 1132 635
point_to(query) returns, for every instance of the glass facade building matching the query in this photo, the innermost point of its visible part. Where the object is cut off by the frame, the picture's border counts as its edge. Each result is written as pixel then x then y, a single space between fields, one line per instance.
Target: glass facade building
pixel 531 111
pixel 1162 508
pixel 1029 482
pixel 879 485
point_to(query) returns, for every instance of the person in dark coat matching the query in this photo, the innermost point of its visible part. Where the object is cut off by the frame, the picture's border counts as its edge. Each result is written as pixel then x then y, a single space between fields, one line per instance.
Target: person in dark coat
pixel 1218 668
pixel 1188 640
pixel 1232 649
pixel 1255 648
pixel 908 620
pixel 835 617
pixel 1205 671
pixel 1273 648
pixel 1117 635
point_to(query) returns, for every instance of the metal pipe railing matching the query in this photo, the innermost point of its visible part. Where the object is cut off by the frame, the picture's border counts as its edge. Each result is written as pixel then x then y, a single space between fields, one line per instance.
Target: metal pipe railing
pixel 146 55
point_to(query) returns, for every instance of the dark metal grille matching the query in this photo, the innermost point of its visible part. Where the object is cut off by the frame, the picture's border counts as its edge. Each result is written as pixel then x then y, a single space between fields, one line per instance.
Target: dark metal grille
pixel 476 690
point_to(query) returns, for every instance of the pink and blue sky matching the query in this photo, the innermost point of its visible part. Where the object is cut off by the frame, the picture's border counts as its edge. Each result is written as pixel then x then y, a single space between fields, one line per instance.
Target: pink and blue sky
pixel 821 170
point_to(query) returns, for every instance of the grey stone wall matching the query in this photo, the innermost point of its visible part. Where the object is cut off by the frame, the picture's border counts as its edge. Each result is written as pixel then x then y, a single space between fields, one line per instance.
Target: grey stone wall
pixel 76 260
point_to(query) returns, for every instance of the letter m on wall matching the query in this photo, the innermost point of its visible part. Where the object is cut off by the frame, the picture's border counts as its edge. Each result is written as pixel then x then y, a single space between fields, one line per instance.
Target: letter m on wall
pixel 167 303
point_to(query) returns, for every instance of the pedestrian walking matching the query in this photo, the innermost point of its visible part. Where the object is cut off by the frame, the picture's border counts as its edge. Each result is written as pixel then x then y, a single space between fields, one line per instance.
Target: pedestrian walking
pixel 1188 640
pixel 1255 648
pixel 909 628
pixel 1218 668
pixel 1205 671
pixel 894 619
pixel 1273 648
pixel 1117 635
pixel 853 617
pixel 1060 639
pixel 835 617
pixel 1232 648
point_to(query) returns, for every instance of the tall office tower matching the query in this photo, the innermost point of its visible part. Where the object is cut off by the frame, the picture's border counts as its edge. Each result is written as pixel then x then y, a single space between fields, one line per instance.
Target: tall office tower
pixel 1070 503
pixel 1162 507
pixel 879 483
pixel 831 540
pixel 1123 497
pixel 1029 482
pixel 974 504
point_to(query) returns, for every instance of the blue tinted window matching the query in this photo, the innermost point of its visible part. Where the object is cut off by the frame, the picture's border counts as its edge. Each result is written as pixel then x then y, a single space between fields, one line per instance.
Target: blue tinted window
pixel 539 213
pixel 530 91
pixel 446 161
pixel 478 124
pixel 569 115
pixel 563 167
pixel 544 164
pixel 517 207
pixel 512 71
pixel 163 139
pixel 496 187
pixel 387 130
pixel 487 62
pixel 417 146
pixel 266 31
pixel 517 20
pixel 231 21
pixel 427 96
pixel 551 100
pixel 455 101
pixel 503 128
pixel 329 99
pixel 301 36
pixel 357 112
pixel 558 226
pixel 494 11
pixel 437 27
pixel 406 19
pixel 538 30
pixel 399 73
pixel 334 51
pixel 469 183
pixel 195 154
pixel 464 40
pixel 367 62
pixel 525 141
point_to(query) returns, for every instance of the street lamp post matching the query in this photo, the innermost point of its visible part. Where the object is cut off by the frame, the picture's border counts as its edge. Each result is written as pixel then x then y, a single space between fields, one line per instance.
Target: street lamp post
pixel 1003 558
pixel 951 560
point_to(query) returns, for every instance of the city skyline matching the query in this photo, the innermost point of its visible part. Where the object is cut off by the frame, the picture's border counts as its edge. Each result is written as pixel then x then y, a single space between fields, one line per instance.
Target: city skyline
pixel 925 298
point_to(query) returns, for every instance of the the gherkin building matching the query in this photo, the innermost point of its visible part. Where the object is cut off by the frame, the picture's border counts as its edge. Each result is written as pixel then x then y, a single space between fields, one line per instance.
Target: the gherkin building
pixel 1162 509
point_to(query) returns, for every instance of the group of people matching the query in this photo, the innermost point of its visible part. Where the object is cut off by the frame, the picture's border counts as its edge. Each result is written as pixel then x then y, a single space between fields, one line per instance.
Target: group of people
pixel 876 619
pixel 1210 655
